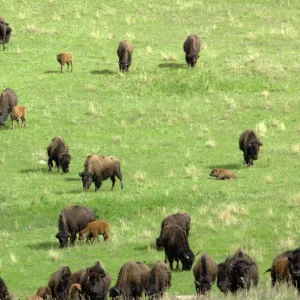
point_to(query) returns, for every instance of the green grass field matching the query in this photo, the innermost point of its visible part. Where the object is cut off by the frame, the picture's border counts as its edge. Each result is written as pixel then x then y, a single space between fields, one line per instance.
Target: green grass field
pixel 168 124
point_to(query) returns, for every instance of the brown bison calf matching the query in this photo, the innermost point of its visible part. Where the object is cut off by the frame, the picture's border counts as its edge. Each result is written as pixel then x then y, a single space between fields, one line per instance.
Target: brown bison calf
pixel 124 52
pixel 58 151
pixel 205 274
pixel 75 292
pixel 222 174
pixel 94 229
pixel 249 144
pixel 18 114
pixel 191 48
pixel 65 58
pixel 44 292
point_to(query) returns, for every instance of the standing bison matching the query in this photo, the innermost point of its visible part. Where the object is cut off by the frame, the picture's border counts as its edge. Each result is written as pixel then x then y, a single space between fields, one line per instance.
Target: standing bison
pixel 124 52
pixel 58 152
pixel 5 32
pixel 71 220
pixel 98 168
pixel 4 293
pixel 8 100
pixel 191 48
pixel 205 274
pixel 249 144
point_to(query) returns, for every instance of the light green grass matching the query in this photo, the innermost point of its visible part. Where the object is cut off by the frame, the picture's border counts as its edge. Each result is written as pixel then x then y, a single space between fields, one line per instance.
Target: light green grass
pixel 168 124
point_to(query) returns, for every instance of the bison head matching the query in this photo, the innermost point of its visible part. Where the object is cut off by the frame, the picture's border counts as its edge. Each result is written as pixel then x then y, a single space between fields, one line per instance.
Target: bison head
pixel 214 172
pixel 123 66
pixel 62 236
pixel 253 149
pixel 187 260
pixel 159 245
pixel 114 293
pixel 64 162
pixel 191 59
pixel 203 287
pixel 87 179
pixel 294 263
pixel 241 272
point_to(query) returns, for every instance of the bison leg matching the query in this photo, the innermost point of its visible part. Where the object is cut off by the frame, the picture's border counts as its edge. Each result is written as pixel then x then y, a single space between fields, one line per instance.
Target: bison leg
pixel 171 260
pixel 113 180
pixel 119 175
pixel 177 265
pixel 98 183
pixel 50 164
pixel 73 238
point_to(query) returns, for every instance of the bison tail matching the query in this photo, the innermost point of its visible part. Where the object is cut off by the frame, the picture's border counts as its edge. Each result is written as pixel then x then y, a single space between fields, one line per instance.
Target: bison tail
pixel 269 270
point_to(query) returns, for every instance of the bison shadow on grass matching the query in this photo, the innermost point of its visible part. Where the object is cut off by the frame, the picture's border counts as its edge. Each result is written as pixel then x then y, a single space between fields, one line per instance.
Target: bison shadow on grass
pixel 42 245
pixel 37 170
pixel 103 72
pixel 172 66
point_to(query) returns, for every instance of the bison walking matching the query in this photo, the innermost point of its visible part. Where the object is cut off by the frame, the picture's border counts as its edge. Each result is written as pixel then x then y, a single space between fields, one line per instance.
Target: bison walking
pixel 191 48
pixel 124 52
pixel 5 32
pixel 8 100
pixel 249 144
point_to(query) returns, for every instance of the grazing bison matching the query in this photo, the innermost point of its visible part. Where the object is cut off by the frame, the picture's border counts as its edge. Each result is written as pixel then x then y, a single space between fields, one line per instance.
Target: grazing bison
pixel 65 58
pixel 18 114
pixel 98 168
pixel 95 282
pixel 124 52
pixel 249 144
pixel 93 229
pixel 241 271
pixel 176 245
pixel 75 292
pixel 222 174
pixel 44 292
pixel 58 283
pixel 58 151
pixel 183 220
pixel 5 32
pixel 205 274
pixel 8 99
pixel 132 281
pixel 4 293
pixel 294 268
pixel 222 279
pixel 191 48
pixel 159 280
pixel 73 219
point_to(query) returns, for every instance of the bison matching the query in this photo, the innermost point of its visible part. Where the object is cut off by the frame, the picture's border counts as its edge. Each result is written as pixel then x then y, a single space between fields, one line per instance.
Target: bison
pixel 18 114
pixel 73 219
pixel 5 32
pixel 222 278
pixel 124 52
pixel 132 281
pixel 98 168
pixel 249 144
pixel 44 292
pixel 159 280
pixel 58 151
pixel 58 283
pixel 65 58
pixel 4 293
pixel 183 220
pixel 95 282
pixel 222 174
pixel 8 99
pixel 241 271
pixel 176 245
pixel 93 229
pixel 191 48
pixel 205 274
pixel 74 292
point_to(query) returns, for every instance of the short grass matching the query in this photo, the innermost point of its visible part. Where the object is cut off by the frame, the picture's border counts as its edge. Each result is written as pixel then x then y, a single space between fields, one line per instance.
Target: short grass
pixel 168 124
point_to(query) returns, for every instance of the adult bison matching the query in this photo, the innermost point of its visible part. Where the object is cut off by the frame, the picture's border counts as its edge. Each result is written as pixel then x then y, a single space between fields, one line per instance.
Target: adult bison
pixel 191 48
pixel 98 168
pixel 8 100
pixel 249 144
pixel 73 219
pixel 4 293
pixel 95 282
pixel 124 52
pixel 58 283
pixel 5 32
pixel 183 220
pixel 176 245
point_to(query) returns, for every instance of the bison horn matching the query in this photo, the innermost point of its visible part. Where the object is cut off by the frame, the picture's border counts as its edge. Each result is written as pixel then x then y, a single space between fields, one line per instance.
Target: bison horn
pixel 197 282
pixel 197 253
pixel 80 174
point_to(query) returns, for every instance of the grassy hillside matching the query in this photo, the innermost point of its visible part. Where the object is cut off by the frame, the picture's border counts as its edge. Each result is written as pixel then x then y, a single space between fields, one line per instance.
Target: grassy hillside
pixel 168 124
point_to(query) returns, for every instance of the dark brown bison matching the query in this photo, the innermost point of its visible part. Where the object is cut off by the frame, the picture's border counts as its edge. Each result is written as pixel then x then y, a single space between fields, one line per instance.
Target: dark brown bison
pixel 205 274
pixel 5 32
pixel 159 280
pixel 191 48
pixel 241 272
pixel 249 144
pixel 294 267
pixel 4 293
pixel 176 245
pixel 58 283
pixel 124 52
pixel 132 281
pixel 98 168
pixel 44 292
pixel 73 219
pixel 222 279
pixel 58 151
pixel 75 277
pixel 183 220
pixel 95 282
pixel 8 100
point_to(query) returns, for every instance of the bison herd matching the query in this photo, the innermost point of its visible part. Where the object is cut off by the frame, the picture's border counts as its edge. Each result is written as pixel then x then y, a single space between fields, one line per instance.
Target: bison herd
pixel 238 272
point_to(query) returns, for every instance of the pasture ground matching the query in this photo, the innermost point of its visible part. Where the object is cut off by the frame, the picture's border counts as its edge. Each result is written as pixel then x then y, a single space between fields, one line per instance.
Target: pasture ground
pixel 168 124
